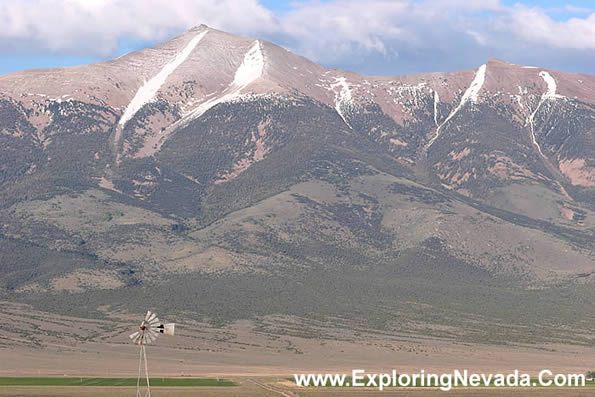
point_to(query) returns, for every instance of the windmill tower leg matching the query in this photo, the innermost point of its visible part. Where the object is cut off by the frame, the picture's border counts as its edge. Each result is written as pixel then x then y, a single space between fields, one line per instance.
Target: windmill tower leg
pixel 140 364
pixel 148 393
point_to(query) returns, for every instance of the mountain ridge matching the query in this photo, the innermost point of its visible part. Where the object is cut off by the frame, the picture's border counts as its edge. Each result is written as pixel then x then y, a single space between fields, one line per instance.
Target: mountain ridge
pixel 329 86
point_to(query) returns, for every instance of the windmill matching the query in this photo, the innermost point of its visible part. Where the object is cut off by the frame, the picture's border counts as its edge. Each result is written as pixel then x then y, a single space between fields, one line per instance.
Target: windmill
pixel 148 331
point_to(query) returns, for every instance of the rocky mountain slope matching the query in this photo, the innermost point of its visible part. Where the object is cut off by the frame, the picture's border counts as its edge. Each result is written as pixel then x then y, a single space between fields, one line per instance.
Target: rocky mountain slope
pixel 229 173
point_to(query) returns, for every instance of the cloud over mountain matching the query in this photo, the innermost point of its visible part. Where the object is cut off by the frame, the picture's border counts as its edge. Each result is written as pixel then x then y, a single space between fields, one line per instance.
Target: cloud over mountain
pixel 369 36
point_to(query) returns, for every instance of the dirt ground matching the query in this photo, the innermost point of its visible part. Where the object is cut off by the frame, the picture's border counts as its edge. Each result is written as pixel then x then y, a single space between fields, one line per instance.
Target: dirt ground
pixel 121 360
pixel 248 354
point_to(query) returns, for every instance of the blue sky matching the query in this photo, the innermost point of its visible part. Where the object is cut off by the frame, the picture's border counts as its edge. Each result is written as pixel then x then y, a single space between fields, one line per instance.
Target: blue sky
pixel 385 37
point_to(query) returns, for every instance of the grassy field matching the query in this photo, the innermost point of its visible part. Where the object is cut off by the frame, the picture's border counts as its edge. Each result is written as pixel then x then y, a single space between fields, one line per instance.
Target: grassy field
pixel 158 382
pixel 271 387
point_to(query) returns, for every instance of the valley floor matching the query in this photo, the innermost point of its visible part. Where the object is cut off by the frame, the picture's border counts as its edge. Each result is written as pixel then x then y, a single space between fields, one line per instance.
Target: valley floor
pixel 40 344
pixel 109 360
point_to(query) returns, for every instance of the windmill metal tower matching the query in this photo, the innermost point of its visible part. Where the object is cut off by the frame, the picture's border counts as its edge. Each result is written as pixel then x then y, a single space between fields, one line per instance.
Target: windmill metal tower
pixel 148 331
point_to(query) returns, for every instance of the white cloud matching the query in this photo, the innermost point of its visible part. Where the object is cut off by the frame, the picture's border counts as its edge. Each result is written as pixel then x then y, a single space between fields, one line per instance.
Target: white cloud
pixel 94 27
pixel 335 29
pixel 334 32
pixel 331 28
pixel 534 25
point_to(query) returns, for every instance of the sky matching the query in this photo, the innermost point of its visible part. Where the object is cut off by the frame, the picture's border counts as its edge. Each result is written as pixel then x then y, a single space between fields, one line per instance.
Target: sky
pixel 375 37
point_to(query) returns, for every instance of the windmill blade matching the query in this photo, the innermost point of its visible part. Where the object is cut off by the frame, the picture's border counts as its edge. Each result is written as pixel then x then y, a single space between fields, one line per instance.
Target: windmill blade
pixel 137 339
pixel 154 321
pixel 150 338
pixel 151 317
pixel 169 329
pixel 148 315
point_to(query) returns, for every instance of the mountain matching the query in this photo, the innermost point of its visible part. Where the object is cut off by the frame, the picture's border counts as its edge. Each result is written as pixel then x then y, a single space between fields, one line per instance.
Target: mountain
pixel 225 178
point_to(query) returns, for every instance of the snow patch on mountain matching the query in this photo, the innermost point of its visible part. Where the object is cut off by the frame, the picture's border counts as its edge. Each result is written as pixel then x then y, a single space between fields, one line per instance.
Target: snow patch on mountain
pixel 249 70
pixel 436 102
pixel 550 94
pixel 531 121
pixel 551 86
pixel 343 97
pixel 408 93
pixel 471 94
pixel 149 89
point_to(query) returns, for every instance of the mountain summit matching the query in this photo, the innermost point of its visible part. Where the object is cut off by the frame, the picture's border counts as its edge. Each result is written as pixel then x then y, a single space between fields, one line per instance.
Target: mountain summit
pixel 216 165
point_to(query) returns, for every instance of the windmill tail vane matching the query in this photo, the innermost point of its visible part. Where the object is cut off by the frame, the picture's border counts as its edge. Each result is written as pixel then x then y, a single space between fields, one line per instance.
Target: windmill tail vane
pixel 167 329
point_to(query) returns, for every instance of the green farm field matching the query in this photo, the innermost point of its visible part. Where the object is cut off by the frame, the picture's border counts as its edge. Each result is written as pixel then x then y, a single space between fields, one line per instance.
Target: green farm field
pixel 244 387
